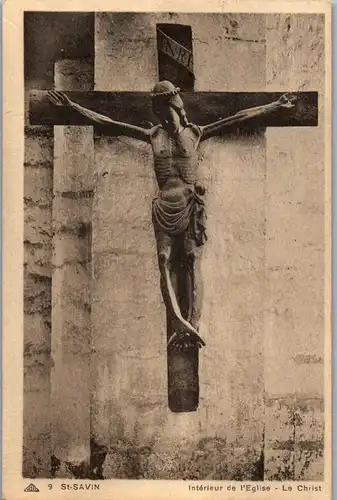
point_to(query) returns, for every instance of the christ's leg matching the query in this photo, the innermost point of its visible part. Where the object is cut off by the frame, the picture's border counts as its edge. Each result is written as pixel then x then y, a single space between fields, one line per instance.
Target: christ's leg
pixel 183 330
pixel 194 284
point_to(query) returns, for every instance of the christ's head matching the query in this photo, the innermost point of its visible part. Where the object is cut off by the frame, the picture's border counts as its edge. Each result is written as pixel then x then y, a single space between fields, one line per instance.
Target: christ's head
pixel 168 106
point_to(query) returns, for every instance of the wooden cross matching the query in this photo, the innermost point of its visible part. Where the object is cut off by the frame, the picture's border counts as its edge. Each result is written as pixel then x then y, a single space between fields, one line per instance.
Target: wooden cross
pixel 202 108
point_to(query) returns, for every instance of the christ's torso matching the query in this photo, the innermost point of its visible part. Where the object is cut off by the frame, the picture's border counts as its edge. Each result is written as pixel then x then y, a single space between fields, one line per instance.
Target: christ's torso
pixel 175 158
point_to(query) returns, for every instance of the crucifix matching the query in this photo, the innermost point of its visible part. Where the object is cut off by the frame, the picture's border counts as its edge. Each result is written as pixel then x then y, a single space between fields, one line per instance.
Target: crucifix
pixel 185 119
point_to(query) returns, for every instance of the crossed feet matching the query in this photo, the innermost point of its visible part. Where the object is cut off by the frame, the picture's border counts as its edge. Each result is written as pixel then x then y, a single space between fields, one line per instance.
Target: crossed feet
pixel 185 336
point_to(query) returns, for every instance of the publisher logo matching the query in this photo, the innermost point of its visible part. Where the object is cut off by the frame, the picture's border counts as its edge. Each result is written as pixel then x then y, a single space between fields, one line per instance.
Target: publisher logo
pixel 31 488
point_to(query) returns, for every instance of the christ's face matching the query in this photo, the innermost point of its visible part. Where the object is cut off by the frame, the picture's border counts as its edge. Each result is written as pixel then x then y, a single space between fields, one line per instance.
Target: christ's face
pixel 169 119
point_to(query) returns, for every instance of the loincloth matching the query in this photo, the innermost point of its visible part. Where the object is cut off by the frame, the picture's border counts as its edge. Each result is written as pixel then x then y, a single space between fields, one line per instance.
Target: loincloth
pixel 182 216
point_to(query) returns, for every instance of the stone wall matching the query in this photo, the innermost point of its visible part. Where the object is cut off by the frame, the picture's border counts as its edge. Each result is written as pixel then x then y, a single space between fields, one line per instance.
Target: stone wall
pixel 294 314
pixel 131 415
pixel 38 185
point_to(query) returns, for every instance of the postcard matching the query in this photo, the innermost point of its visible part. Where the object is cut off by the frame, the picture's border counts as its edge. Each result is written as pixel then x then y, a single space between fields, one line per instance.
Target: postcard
pixel 167 250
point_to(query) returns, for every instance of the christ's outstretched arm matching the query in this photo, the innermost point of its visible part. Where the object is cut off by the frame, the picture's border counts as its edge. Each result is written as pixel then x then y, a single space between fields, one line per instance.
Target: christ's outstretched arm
pixel 114 127
pixel 245 115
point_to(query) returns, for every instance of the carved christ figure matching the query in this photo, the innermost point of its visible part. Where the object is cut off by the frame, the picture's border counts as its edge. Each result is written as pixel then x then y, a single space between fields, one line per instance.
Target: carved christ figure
pixel 178 213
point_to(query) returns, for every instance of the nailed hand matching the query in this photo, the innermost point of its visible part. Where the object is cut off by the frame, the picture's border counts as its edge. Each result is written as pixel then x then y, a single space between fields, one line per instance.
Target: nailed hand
pixel 287 101
pixel 58 98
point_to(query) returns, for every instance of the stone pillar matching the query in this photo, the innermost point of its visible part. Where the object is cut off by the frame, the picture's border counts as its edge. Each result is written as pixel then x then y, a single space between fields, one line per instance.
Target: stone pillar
pixel 38 193
pixel 294 318
pixel 71 283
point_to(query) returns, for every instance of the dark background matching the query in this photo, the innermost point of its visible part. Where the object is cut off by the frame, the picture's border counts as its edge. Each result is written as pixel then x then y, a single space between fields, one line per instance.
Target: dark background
pixel 51 36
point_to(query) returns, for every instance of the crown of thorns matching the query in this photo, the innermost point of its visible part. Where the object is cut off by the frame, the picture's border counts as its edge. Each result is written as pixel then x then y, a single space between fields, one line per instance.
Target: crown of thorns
pixel 167 93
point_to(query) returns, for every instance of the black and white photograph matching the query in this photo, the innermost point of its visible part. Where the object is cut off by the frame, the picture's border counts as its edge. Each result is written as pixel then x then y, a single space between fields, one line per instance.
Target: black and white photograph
pixel 174 267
